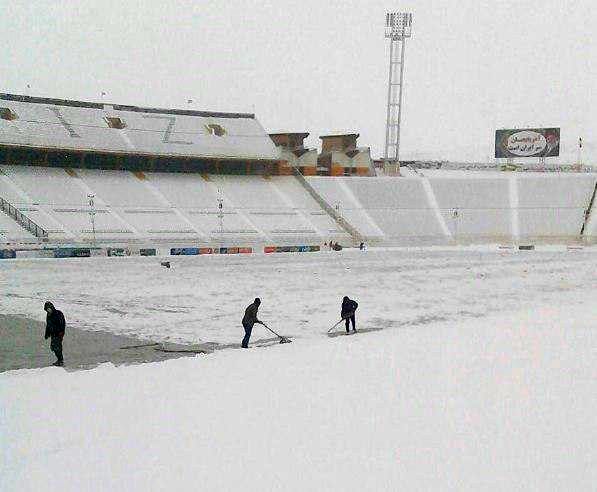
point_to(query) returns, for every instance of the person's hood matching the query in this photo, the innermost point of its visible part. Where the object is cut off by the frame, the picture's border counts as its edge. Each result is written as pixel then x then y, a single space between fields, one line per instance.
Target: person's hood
pixel 49 304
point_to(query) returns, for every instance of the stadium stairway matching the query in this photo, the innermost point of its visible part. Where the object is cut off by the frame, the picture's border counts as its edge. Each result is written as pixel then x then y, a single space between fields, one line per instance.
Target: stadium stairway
pixel 21 219
pixel 341 221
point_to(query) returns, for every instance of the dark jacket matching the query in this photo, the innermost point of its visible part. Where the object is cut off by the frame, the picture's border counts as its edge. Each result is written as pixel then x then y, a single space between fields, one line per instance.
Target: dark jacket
pixel 348 307
pixel 55 323
pixel 250 317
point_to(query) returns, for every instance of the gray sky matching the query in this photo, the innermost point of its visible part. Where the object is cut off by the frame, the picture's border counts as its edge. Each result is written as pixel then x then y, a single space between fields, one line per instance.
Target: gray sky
pixel 471 66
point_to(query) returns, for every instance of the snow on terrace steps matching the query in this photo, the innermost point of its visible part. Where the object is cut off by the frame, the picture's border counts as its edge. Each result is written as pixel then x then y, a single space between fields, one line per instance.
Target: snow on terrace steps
pixel 482 206
pixel 201 299
pixel 400 208
pixel 338 195
pixel 148 130
pixel 503 403
pixel 553 207
pixel 436 210
pixel 11 230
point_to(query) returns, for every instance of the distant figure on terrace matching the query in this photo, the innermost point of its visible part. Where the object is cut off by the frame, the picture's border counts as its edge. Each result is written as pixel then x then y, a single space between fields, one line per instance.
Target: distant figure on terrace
pixel 249 319
pixel 348 311
pixel 55 327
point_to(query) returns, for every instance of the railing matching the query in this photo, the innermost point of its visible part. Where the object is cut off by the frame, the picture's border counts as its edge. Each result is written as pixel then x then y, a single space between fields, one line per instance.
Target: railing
pixel 588 211
pixel 24 221
pixel 341 221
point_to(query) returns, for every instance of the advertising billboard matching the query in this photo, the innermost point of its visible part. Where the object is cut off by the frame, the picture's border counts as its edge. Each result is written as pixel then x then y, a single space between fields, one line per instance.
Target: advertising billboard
pixel 527 142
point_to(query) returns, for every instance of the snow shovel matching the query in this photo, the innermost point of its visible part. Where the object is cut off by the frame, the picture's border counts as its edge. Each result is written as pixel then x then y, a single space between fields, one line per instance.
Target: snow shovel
pixel 282 339
pixel 341 319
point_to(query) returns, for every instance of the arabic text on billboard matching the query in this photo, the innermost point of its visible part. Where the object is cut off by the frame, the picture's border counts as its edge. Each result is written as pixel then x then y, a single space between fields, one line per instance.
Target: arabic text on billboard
pixel 528 142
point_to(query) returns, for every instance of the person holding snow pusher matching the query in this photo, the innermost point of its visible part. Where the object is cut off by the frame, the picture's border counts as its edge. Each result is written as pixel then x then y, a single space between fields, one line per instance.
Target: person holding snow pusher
pixel 55 326
pixel 249 319
pixel 349 307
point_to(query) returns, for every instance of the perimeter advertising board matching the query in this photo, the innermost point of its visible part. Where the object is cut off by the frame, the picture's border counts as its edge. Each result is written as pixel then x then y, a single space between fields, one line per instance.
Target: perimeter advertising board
pixel 528 142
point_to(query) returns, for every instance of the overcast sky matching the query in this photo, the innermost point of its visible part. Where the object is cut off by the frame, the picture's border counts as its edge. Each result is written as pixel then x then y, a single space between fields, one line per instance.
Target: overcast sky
pixel 471 66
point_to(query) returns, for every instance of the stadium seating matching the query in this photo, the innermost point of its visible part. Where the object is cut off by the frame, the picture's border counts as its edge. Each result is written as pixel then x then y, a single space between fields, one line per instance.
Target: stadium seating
pixel 47 186
pixel 120 189
pixel 42 216
pixel 185 191
pixel 553 208
pixel 225 226
pixel 164 132
pixel 304 204
pixel 9 191
pixel 78 221
pixel 168 207
pixel 389 193
pixel 11 231
pixel 400 208
pixel 250 193
pixel 474 208
pixel 339 196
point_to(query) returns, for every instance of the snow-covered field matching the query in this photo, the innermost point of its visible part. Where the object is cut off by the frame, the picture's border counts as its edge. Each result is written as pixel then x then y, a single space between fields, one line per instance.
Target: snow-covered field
pixel 202 299
pixel 483 376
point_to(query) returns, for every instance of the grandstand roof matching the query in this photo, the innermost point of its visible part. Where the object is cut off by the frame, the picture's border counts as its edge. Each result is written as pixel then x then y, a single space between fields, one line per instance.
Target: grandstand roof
pixel 96 127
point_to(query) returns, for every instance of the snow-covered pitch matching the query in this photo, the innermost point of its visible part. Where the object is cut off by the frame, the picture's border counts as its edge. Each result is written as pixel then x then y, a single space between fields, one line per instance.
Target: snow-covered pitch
pixel 478 373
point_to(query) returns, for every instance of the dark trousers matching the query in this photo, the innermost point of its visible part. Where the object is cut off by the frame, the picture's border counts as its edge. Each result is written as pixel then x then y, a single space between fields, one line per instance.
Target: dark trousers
pixel 56 347
pixel 248 328
pixel 348 321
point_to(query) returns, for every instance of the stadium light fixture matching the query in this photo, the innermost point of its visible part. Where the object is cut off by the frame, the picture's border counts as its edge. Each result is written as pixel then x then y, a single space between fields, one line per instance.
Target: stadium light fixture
pixel 221 214
pixel 91 198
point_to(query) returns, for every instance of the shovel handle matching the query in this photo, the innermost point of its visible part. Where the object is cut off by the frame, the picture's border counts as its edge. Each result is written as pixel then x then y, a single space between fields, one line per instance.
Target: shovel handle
pixel 341 319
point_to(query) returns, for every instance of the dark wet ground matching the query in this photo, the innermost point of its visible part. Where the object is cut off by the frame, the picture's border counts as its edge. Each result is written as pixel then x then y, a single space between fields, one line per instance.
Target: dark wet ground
pixel 342 332
pixel 22 346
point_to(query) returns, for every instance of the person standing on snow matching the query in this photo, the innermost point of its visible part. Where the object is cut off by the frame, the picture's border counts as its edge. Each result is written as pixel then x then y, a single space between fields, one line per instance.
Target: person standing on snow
pixel 55 326
pixel 249 319
pixel 349 308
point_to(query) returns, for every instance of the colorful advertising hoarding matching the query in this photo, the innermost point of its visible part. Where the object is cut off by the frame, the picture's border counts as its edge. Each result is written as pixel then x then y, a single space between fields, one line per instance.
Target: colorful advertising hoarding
pixel 527 142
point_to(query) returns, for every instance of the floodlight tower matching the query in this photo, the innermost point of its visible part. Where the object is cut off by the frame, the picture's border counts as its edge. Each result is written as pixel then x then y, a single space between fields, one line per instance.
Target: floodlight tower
pixel 398 29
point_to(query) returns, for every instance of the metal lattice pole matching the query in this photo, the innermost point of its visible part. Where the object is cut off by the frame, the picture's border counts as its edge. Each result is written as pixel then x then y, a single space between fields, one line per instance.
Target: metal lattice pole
pixel 398 28
pixel 221 215
pixel 92 215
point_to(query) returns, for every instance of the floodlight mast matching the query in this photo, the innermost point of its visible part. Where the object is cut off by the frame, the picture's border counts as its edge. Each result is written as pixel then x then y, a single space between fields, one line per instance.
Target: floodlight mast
pixel 398 29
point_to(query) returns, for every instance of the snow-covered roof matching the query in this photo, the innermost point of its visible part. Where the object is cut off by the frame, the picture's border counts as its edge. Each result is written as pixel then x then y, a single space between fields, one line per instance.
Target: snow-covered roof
pixel 97 127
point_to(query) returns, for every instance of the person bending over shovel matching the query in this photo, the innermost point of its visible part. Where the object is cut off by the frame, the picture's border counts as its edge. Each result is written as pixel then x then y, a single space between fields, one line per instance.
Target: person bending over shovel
pixel 249 319
pixel 349 307
pixel 55 325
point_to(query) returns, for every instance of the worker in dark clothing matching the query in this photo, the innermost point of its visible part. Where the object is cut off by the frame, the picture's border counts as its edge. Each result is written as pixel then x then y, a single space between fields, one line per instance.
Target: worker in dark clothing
pixel 349 307
pixel 55 326
pixel 249 320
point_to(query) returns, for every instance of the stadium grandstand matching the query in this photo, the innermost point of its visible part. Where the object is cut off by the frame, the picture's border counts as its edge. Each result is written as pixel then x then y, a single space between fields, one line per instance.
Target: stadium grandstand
pixel 80 174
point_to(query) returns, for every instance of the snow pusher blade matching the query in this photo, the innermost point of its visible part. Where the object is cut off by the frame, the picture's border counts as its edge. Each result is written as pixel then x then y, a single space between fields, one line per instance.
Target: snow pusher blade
pixel 282 339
